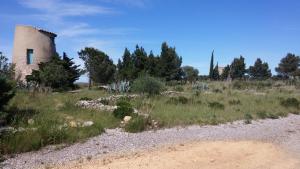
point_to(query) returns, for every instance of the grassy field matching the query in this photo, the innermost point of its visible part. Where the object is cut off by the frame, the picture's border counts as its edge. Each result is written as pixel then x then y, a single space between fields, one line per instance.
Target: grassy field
pixel 223 102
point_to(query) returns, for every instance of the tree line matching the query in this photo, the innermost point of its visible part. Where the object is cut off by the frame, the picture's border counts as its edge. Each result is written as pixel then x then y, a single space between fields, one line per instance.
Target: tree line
pixel 61 72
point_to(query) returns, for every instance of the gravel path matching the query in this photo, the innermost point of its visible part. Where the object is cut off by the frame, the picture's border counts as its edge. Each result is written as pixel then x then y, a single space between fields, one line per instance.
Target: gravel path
pixel 284 132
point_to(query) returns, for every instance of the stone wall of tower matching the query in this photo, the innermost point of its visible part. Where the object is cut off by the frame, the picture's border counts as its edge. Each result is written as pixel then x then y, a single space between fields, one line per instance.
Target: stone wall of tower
pixel 41 42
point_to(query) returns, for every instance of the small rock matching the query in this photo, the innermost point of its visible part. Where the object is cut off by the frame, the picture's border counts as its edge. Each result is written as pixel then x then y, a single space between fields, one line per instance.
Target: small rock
pixel 87 124
pixel 73 124
pixel 30 121
pixel 127 119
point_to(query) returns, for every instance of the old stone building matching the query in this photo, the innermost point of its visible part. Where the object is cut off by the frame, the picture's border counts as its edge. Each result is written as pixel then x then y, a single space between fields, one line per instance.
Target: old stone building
pixel 31 47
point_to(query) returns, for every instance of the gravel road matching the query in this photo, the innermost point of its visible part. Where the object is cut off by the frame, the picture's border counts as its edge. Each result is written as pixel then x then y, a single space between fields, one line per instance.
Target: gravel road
pixel 284 132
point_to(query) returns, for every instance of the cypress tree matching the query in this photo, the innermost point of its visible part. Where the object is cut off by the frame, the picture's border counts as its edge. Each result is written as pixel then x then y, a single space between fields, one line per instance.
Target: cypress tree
pixel 211 70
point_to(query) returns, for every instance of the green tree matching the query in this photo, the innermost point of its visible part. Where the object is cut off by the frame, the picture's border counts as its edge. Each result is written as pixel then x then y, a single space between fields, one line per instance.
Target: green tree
pixel 140 59
pixel 170 63
pixel 238 68
pixel 57 73
pixel 126 66
pixel 289 66
pixel 260 70
pixel 225 73
pixel 6 92
pixel 152 66
pixel 215 74
pixel 211 68
pixel 6 69
pixel 190 73
pixel 99 66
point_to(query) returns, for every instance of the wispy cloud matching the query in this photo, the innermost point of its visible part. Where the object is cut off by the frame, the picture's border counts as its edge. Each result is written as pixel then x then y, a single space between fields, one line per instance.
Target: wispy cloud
pixel 134 3
pixel 63 9
pixel 86 29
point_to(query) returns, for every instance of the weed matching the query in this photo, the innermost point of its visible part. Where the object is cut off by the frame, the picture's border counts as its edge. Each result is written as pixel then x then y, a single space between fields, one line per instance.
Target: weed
pixel 85 99
pixel 248 118
pixel 178 100
pixel 234 102
pixel 124 109
pixel 216 105
pixel 290 102
pixel 135 125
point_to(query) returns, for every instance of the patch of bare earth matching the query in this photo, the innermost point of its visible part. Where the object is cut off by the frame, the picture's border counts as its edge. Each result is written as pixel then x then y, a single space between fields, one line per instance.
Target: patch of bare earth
pixel 204 155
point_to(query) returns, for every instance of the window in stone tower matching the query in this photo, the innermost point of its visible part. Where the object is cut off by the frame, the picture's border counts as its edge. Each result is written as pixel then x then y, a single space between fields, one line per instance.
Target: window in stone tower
pixel 29 56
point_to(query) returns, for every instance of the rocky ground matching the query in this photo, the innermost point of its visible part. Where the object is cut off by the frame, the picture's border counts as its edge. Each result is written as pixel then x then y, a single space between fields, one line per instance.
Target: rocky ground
pixel 283 133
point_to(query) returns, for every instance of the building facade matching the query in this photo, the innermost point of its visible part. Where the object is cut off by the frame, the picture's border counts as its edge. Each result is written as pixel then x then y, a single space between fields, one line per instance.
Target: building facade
pixel 31 47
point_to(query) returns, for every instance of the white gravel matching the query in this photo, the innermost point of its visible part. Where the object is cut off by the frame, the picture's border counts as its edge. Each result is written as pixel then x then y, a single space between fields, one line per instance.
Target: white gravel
pixel 285 132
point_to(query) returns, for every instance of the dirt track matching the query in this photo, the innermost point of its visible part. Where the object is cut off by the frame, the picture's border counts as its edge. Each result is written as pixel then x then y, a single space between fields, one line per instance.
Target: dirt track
pixel 204 155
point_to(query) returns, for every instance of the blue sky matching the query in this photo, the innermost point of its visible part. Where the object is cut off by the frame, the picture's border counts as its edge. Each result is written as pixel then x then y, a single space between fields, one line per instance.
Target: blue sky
pixel 268 29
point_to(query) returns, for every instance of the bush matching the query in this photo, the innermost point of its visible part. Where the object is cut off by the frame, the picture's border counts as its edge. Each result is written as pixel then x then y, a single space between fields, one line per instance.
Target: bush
pixel 248 118
pixel 216 105
pixel 124 109
pixel 6 92
pixel 178 100
pixel 258 85
pixel 135 125
pixel 262 114
pixel 147 84
pixel 290 102
pixel 234 102
pixel 85 99
pixel 179 88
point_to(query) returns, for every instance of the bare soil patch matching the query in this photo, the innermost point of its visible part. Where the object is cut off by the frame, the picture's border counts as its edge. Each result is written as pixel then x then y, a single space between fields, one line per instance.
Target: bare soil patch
pixel 204 155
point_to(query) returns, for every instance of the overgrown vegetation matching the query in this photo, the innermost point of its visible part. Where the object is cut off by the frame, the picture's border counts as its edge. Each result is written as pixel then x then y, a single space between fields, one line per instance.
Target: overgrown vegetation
pixel 147 85
pixel 124 109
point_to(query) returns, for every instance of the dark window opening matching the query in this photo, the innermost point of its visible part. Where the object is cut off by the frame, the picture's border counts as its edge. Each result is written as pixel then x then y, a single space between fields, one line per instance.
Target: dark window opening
pixel 29 56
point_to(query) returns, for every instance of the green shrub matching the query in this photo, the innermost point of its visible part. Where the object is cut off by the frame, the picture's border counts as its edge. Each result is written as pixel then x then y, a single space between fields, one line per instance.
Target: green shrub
pixel 104 101
pixel 290 102
pixel 248 118
pixel 147 85
pixel 273 116
pixel 179 88
pixel 216 105
pixel 124 109
pixel 234 102
pixel 178 100
pixel 85 99
pixel 136 124
pixel 262 114
pixel 6 92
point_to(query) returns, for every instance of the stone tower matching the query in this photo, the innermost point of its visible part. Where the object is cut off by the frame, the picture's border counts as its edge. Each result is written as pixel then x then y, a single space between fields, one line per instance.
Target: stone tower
pixel 31 47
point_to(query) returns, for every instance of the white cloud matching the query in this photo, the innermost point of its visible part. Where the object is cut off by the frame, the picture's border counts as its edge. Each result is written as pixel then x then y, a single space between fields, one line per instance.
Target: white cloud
pixel 62 9
pixel 85 29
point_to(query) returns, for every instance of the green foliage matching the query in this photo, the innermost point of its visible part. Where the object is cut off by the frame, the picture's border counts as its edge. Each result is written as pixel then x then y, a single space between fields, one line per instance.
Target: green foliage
pixel 6 69
pixel 248 118
pixel 59 74
pixel 211 68
pixel 147 85
pixel 260 70
pixel 216 75
pixel 126 66
pixel 257 85
pixel 262 114
pixel 234 102
pixel 178 100
pixel 99 66
pixel 190 74
pixel 170 63
pixel 7 91
pixel 179 88
pixel 124 109
pixel 225 73
pixel 85 99
pixel 238 68
pixel 290 102
pixel 289 66
pixel 136 124
pixel 216 105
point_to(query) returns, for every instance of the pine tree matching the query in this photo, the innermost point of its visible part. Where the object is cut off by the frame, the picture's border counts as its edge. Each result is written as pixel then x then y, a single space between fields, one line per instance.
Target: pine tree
pixel 260 70
pixel 289 66
pixel 238 68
